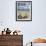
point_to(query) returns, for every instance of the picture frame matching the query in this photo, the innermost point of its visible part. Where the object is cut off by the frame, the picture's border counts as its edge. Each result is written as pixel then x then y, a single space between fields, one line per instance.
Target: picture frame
pixel 23 10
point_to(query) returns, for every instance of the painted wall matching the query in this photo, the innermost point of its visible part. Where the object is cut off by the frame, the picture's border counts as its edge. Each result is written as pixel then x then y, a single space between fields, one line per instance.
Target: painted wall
pixel 30 29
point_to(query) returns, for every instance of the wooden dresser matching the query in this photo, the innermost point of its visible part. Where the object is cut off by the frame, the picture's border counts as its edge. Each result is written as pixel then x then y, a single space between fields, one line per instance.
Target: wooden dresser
pixel 11 40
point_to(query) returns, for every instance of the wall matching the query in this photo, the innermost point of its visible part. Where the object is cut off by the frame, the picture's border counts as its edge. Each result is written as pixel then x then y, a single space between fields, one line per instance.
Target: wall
pixel 30 29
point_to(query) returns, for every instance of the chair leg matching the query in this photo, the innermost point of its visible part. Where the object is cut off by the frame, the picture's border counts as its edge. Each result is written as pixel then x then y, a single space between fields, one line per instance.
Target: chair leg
pixel 31 43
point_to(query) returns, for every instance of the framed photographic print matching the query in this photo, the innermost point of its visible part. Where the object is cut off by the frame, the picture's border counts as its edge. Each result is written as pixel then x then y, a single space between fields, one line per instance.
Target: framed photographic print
pixel 23 10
